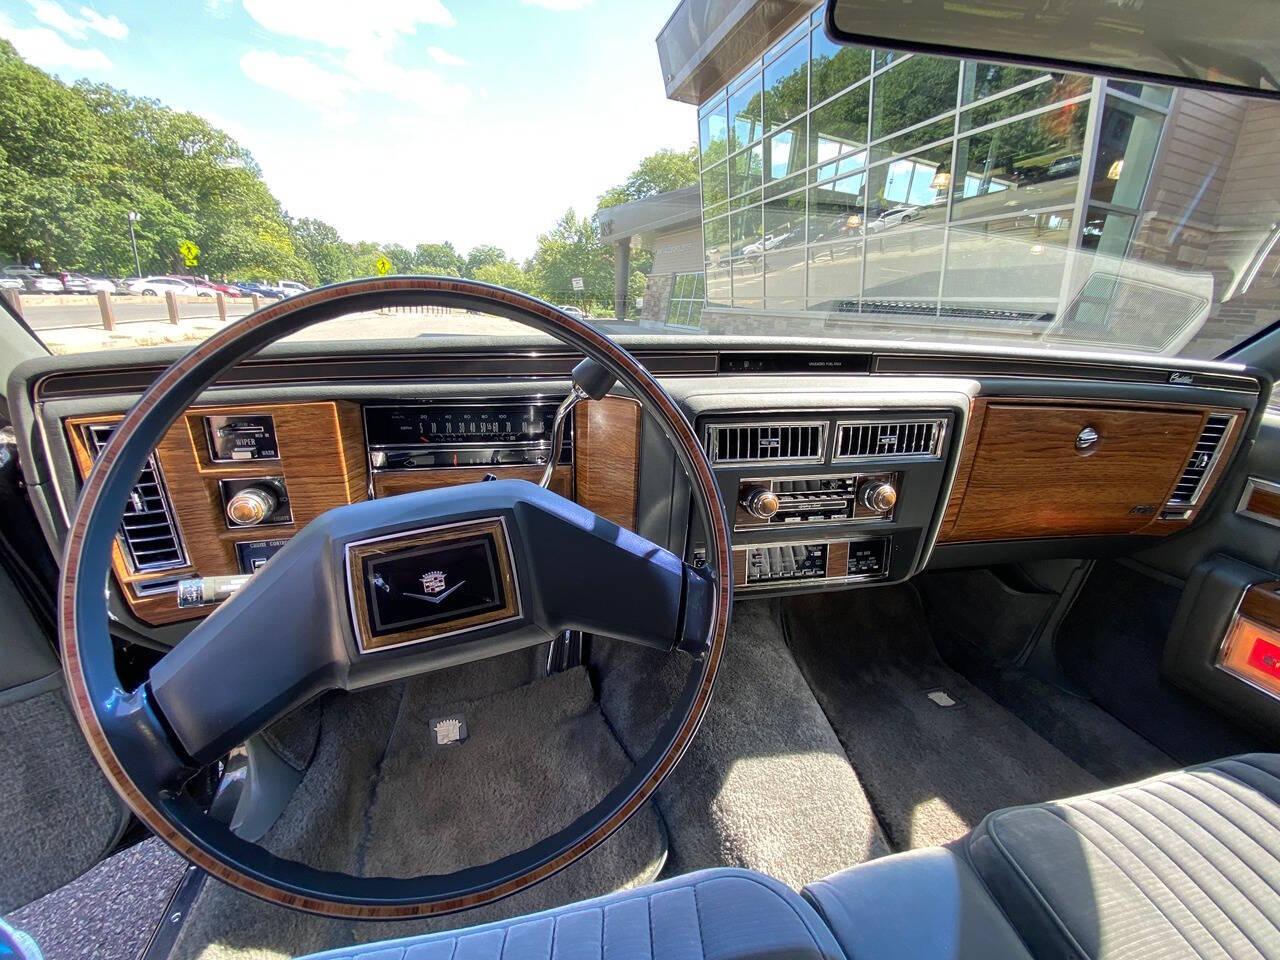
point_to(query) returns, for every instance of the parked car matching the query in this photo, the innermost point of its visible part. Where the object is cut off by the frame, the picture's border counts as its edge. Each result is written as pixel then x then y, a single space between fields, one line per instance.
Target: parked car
pixel 44 283
pixel 261 289
pixel 79 283
pixel 893 217
pixel 576 312
pixel 208 288
pixel 1064 167
pixel 11 283
pixel 291 287
pixel 159 286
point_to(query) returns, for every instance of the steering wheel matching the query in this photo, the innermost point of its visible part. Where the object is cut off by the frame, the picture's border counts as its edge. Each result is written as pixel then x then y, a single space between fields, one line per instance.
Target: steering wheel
pixel 554 566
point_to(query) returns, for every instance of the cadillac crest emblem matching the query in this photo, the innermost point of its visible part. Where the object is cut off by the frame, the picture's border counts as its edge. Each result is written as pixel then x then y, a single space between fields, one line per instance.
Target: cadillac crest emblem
pixel 433 581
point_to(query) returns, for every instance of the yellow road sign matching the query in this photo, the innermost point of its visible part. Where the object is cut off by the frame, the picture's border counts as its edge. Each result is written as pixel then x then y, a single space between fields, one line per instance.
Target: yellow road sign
pixel 383 266
pixel 190 252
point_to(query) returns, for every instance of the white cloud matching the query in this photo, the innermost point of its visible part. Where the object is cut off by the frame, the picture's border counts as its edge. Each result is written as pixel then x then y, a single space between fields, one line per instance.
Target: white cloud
pixel 44 48
pixel 445 58
pixel 370 25
pixel 54 15
pixel 298 78
pixel 110 26
pixel 559 4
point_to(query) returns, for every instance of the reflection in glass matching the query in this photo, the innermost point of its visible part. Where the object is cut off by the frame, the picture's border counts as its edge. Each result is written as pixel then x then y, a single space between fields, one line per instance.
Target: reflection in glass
pixel 746 170
pixel 778 187
pixel 719 286
pixel 784 221
pixel 908 189
pixel 835 274
pixel 918 137
pixel 904 264
pixel 745 114
pixel 983 79
pixel 745 200
pixel 1058 86
pixel 836 210
pixel 839 127
pixel 912 92
pixel 745 230
pixel 785 153
pixel 786 86
pixel 687 292
pixel 1127 144
pixel 1107 231
pixel 713 135
pixel 715 186
pixel 886 57
pixel 715 238
pixel 1159 96
pixel 1018 257
pixel 835 67
pixel 748 279
pixel 846 165
pixel 784 275
pixel 1039 157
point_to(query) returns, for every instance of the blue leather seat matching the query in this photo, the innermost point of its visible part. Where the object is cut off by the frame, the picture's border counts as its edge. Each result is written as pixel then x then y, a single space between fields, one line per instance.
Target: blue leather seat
pixel 724 914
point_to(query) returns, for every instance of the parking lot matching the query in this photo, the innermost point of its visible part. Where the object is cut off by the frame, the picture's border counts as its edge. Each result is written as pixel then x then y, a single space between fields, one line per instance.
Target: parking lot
pixel 56 312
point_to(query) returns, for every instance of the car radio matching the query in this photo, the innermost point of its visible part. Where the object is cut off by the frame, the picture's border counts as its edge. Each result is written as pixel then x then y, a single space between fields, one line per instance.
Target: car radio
pixel 429 435
pixel 847 498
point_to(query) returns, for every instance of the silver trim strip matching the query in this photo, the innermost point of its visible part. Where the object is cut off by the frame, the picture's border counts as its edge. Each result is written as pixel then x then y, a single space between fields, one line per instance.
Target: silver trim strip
pixel 1250 485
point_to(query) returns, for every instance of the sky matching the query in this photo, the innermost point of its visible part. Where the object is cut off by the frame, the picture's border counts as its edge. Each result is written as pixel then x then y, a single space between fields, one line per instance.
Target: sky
pixel 396 121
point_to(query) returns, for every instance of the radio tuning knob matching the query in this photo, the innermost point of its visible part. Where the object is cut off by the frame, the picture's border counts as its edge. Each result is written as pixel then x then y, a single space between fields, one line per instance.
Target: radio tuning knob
pixel 252 505
pixel 880 496
pixel 760 502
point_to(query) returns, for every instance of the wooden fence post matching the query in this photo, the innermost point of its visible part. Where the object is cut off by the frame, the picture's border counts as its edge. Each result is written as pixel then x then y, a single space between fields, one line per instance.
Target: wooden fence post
pixel 257 302
pixel 171 301
pixel 222 307
pixel 107 310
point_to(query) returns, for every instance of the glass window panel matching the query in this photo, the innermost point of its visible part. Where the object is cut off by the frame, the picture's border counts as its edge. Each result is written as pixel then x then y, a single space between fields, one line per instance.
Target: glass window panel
pixel 746 170
pixel 715 238
pixel 746 114
pixel 748 280
pixel 839 127
pixel 886 57
pixel 797 33
pixel 1038 157
pixel 904 264
pixel 1107 231
pixel 779 187
pixel 1021 257
pixel 786 86
pixel 1160 96
pixel 835 272
pixel 785 153
pixel 1127 143
pixel 745 200
pixel 784 272
pixel 715 186
pixel 848 164
pixel 916 138
pixel 835 67
pixel 713 135
pixel 983 79
pixel 909 190
pixel 835 214
pixel 719 286
pixel 912 92
pixel 745 230
pixel 1062 86
pixel 784 222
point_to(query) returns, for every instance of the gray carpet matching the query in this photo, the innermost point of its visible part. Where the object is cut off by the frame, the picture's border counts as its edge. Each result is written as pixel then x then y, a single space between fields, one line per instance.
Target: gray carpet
pixel 765 784
pixel 536 757
pixel 111 911
pixel 59 814
pixel 932 772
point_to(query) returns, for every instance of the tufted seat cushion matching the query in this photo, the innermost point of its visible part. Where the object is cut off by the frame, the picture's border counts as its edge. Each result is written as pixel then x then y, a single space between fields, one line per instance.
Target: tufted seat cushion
pixel 722 914
pixel 1183 865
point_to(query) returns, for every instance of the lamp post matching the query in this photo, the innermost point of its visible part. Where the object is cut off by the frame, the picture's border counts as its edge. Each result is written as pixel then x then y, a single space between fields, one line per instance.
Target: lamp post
pixel 133 215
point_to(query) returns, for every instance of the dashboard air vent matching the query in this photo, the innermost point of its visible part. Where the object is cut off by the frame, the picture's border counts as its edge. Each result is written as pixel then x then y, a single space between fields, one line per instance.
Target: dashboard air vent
pixel 148 533
pixel 879 439
pixel 1203 457
pixel 766 442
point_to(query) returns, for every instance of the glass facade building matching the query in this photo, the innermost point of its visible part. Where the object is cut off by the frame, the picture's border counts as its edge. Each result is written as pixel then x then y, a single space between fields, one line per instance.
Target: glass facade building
pixel 846 181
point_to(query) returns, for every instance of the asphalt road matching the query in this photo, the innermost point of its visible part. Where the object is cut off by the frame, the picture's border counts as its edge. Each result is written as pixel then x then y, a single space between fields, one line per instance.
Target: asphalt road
pixel 55 315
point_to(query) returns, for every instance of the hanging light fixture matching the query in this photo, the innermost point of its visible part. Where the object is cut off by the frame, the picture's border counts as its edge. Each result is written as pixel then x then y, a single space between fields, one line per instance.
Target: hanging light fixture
pixel 1116 169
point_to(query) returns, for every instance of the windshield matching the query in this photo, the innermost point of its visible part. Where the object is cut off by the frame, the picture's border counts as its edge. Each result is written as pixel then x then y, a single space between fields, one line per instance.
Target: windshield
pixel 163 175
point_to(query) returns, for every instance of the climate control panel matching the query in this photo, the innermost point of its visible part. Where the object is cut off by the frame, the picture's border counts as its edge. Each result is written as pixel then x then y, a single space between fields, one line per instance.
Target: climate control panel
pixel 760 565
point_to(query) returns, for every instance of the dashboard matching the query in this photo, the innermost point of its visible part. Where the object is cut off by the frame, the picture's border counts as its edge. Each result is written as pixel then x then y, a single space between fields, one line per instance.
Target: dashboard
pixel 840 465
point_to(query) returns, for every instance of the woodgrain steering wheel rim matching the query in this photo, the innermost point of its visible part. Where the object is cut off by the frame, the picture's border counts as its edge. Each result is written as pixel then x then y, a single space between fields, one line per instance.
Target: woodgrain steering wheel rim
pixel 126 733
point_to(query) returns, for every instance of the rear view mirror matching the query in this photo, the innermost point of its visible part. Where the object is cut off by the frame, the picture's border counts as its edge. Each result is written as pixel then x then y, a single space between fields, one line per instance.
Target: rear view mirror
pixel 1226 44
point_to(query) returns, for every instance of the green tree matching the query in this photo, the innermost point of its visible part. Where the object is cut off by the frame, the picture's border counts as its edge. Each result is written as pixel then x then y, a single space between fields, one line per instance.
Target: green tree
pixel 504 273
pixel 440 259
pixel 657 173
pixel 484 255
pixel 572 248
pixel 320 245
